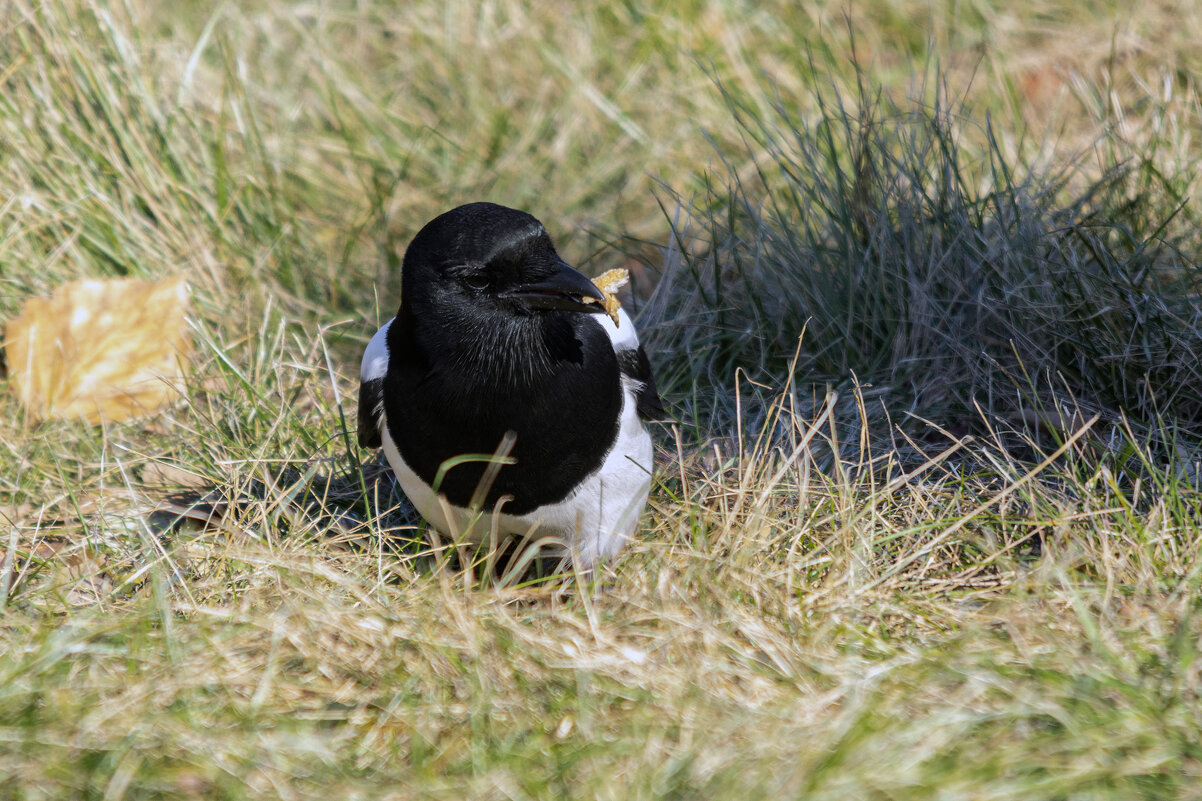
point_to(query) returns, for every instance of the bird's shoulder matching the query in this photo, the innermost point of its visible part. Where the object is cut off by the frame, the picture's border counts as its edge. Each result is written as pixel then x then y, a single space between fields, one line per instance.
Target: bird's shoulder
pixel 372 370
pixel 633 364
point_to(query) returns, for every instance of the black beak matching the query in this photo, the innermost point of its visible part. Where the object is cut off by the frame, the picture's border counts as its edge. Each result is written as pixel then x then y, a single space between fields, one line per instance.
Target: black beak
pixel 565 289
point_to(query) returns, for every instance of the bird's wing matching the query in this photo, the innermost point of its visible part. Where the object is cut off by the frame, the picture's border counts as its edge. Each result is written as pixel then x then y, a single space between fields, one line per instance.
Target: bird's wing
pixel 634 366
pixel 371 389
pixel 633 362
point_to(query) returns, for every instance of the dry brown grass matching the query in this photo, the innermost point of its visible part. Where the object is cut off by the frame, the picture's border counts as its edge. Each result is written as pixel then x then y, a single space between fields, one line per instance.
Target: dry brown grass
pixel 781 628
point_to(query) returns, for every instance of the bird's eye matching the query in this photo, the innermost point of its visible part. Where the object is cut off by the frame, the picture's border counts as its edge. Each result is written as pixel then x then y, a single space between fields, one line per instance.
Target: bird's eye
pixel 476 281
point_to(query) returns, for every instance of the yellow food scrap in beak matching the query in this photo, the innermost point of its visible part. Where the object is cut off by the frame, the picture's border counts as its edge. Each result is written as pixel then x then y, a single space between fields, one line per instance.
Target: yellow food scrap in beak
pixel 609 282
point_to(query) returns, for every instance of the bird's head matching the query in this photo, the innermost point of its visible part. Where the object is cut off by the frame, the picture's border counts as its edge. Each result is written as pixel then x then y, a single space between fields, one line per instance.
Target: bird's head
pixel 488 264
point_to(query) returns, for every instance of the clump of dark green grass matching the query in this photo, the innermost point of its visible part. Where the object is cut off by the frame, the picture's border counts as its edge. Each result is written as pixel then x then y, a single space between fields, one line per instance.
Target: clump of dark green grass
pixel 949 280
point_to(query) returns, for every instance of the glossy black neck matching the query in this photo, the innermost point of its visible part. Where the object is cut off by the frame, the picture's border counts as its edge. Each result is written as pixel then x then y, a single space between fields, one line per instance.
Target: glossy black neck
pixel 492 351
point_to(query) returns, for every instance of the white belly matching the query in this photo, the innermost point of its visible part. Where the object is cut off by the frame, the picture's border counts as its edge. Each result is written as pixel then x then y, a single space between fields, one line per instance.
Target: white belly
pixel 591 524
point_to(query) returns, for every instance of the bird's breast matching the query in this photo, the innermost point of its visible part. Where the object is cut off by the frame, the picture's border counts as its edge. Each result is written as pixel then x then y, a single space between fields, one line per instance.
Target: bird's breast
pixel 564 422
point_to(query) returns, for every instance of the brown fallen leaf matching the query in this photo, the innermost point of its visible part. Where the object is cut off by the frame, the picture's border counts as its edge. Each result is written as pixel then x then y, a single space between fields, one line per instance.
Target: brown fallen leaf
pixel 100 349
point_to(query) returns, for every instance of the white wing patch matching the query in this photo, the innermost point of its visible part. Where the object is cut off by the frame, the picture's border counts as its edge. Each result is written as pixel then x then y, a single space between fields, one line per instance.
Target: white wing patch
pixel 623 336
pixel 375 358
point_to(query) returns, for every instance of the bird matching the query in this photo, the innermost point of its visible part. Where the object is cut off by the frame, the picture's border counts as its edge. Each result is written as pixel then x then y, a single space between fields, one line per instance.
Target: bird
pixel 499 345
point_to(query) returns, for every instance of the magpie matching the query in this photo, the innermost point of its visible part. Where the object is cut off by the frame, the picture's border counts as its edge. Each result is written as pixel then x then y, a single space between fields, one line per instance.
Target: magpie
pixel 497 340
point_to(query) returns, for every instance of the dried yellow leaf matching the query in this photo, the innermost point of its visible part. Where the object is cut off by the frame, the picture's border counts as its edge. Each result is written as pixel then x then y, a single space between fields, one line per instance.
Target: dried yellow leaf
pixel 609 282
pixel 100 349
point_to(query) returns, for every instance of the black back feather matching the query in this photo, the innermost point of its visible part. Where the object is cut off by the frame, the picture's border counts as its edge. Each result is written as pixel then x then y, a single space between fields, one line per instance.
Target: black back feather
pixel 634 364
pixel 371 406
